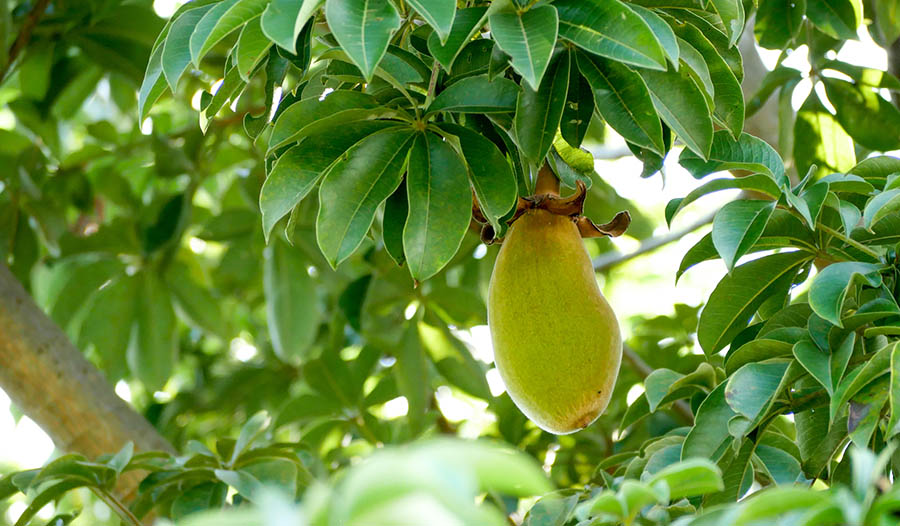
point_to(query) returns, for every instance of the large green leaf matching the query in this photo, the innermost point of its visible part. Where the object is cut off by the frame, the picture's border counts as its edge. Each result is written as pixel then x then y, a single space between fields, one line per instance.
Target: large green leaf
pixel 829 287
pixel 466 23
pixel 283 20
pixel 736 298
pixel 836 18
pixel 477 94
pixel 882 206
pixel 727 97
pixel 732 14
pixel 663 32
pixel 622 99
pixel 439 205
pixel 297 170
pixel 153 350
pixel 877 365
pixel 489 172
pixel 109 323
pixel 610 29
pixel 737 226
pixel 219 21
pixel 869 118
pixel 745 153
pixel 528 38
pixel 410 370
pixel 194 302
pixel 538 113
pixel 153 85
pixel 252 46
pixel 579 108
pixel 354 187
pixel 827 368
pixel 363 28
pixel 819 140
pixel 682 106
pixel 292 308
pixel 176 55
pixel 751 389
pixel 710 430
pixel 315 114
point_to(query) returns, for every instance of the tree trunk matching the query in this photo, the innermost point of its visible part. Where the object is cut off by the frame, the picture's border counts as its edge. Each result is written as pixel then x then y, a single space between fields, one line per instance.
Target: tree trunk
pixel 52 382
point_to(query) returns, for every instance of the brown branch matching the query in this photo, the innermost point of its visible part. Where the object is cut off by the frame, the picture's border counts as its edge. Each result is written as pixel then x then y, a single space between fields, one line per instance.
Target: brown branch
pixel 24 36
pixel 643 369
pixel 52 382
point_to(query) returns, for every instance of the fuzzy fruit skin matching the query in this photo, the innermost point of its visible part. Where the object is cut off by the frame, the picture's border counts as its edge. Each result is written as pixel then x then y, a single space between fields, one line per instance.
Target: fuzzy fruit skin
pixel 556 340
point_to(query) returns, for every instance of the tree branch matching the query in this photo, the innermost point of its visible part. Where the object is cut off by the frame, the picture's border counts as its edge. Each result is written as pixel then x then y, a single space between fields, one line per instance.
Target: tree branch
pixel 608 261
pixel 53 383
pixel 24 37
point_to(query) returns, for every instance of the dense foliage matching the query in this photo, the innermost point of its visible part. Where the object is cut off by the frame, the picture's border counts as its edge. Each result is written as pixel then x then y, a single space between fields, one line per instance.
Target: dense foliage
pixel 359 134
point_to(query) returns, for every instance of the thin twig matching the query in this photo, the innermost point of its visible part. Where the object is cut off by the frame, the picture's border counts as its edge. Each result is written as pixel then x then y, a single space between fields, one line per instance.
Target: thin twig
pixel 643 369
pixel 432 82
pixel 607 261
pixel 24 37
pixel 118 507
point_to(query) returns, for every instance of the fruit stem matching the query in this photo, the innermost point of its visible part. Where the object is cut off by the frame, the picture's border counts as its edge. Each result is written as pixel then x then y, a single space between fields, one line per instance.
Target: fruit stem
pixel 547 183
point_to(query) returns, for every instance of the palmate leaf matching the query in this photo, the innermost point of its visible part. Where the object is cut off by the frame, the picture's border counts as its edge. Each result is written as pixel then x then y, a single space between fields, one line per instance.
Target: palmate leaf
pixel 466 23
pixel 438 13
pixel 252 46
pixel 219 21
pixel 538 113
pixel 829 287
pixel 682 106
pixel 292 309
pixel 477 94
pixel 176 55
pixel 737 226
pixel 152 353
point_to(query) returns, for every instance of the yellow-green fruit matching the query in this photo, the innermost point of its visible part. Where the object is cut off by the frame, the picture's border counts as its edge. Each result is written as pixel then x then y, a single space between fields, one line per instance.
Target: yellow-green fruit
pixel 556 340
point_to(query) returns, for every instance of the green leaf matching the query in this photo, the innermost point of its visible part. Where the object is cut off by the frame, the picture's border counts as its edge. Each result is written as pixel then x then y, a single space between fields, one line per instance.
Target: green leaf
pixel 554 509
pixel 528 38
pixel 710 431
pixel 252 46
pixel 727 96
pixel 689 478
pixel 153 85
pixel 836 18
pixel 882 206
pixel 827 368
pixel 870 119
pixel 477 94
pixel 109 322
pixel 538 113
pixel 609 28
pixel 661 30
pixel 892 426
pixel 751 388
pixel 746 153
pixel 121 459
pixel 354 187
pixel 877 364
pixel 396 210
pixel 873 78
pixel 698 69
pixel 682 106
pixel 47 495
pixel 766 505
pixel 737 226
pixel 622 99
pixel 489 172
pixel 829 287
pixel 283 20
pixel 579 107
pixel 438 13
pixel 250 431
pixel 739 294
pixel 153 350
pixel 819 140
pixel 176 55
pixel 219 21
pixel 466 24
pixel 410 370
pixel 292 308
pixel 888 20
pixel 732 14
pixel 194 302
pixel 314 115
pixel 363 28
pixel 781 77
pixel 298 170
pixel 757 182
pixel 439 206
pixel 245 483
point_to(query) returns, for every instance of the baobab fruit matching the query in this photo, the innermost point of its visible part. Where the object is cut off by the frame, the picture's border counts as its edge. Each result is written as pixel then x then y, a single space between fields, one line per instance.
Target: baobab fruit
pixel 556 340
